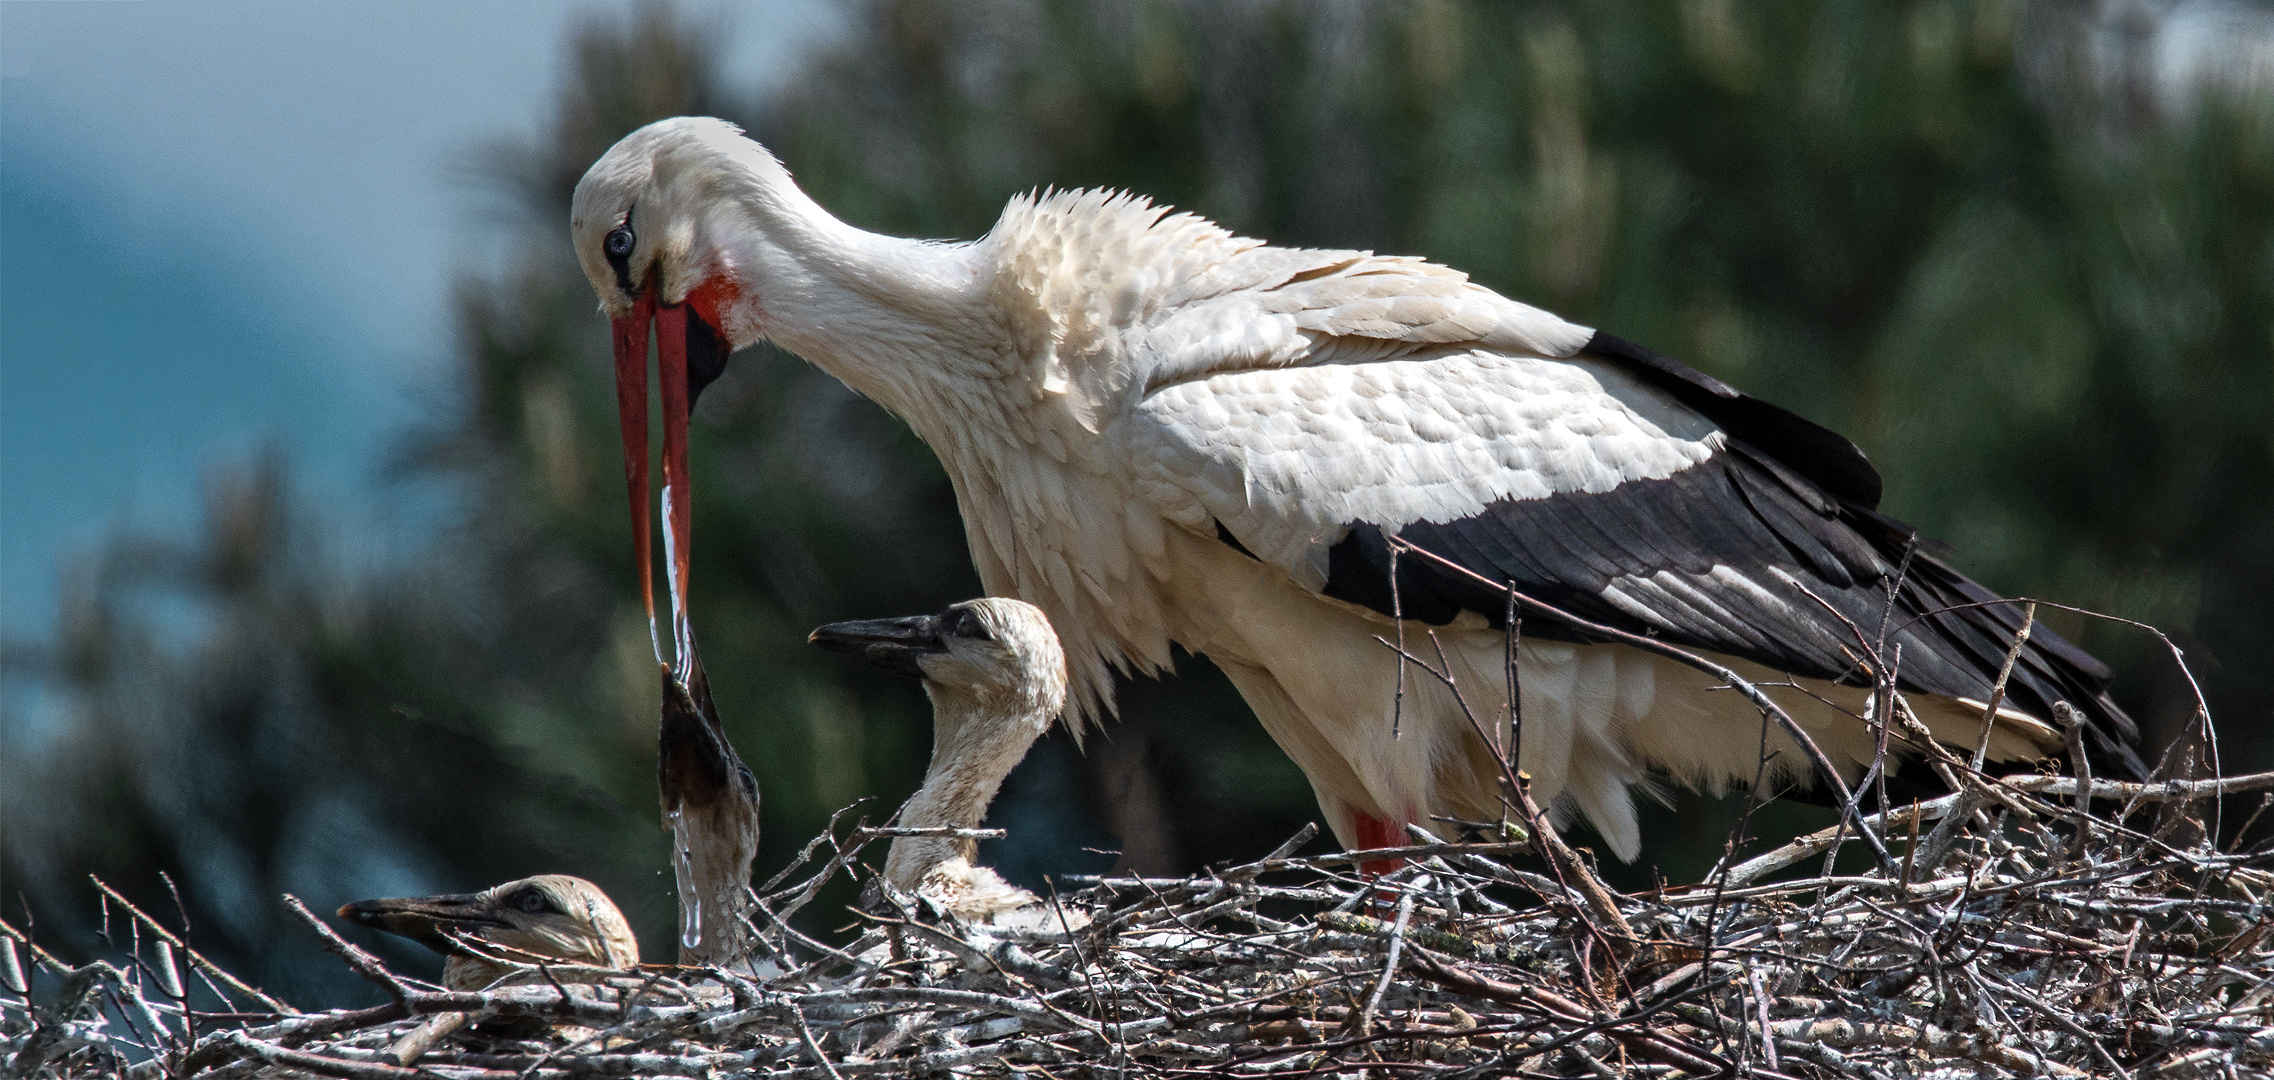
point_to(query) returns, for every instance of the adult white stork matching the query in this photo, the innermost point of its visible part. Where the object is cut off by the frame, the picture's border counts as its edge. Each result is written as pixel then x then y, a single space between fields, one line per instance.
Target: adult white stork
pixel 1161 432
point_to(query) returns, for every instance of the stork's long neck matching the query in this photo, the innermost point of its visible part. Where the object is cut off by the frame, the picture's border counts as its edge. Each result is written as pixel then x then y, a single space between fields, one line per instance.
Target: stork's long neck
pixel 976 741
pixel 889 316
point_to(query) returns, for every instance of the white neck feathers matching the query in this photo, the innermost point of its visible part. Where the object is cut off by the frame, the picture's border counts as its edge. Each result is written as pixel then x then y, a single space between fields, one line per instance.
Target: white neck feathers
pixel 879 312
pixel 976 740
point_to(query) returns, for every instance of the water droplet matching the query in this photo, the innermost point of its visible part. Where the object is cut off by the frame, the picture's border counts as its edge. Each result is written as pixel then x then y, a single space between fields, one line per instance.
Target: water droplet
pixel 690 904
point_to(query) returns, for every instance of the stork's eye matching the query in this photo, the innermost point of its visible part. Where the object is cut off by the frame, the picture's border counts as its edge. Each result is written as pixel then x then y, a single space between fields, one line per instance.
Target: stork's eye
pixel 532 901
pixel 967 625
pixel 619 243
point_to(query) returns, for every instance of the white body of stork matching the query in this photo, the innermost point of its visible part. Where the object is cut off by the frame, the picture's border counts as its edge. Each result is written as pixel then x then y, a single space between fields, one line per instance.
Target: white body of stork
pixel 1160 432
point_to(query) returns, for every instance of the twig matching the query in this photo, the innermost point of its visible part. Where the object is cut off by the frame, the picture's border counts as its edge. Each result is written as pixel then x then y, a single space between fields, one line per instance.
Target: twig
pixel 945 832
pixel 1998 688
pixel 1389 966
pixel 196 958
pixel 1550 846
pixel 362 962
pixel 812 1045
pixel 1825 770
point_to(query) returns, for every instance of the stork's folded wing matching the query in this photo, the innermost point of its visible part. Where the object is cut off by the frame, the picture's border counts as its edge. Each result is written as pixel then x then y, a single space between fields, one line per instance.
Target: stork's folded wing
pixel 1288 460
pixel 1589 488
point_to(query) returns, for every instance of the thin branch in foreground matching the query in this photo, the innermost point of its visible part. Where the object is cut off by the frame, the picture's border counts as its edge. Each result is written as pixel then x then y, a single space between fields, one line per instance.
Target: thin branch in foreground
pixel 361 962
pixel 1826 771
pixel 208 967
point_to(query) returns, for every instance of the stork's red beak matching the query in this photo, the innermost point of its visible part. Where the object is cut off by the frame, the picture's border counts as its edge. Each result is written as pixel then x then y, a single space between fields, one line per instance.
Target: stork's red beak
pixel 690 352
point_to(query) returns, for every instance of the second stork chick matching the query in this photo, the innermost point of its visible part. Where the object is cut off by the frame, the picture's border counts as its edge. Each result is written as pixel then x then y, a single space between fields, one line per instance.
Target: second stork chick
pixel 497 937
pixel 489 937
pixel 996 677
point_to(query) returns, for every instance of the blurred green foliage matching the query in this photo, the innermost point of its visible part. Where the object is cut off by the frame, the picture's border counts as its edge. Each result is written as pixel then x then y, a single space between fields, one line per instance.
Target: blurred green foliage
pixel 2047 316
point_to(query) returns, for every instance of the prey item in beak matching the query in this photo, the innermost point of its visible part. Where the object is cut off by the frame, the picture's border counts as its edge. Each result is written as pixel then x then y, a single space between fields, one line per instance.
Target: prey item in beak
pixel 896 645
pixel 710 801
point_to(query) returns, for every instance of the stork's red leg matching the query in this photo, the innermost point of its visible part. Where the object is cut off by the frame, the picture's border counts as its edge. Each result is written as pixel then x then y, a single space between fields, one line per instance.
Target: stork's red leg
pixel 1373 832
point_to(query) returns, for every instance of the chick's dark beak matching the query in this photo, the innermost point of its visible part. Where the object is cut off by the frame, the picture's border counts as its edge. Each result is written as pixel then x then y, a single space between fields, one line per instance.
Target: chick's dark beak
pixel 892 644
pixel 428 920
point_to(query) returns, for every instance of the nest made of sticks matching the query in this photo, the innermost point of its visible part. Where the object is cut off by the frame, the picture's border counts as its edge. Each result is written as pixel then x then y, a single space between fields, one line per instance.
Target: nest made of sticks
pixel 2026 925
pixel 2020 927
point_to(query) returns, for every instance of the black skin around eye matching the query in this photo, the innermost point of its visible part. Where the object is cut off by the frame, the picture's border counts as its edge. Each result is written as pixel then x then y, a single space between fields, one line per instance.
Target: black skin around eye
pixel 617 246
pixel 533 902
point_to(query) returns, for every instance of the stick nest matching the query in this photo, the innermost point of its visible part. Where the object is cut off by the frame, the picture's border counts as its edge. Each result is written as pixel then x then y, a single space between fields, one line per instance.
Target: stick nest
pixel 2022 930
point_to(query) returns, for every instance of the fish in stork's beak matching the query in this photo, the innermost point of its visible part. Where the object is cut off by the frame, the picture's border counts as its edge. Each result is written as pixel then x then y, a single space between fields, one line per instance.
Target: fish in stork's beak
pixel 896 645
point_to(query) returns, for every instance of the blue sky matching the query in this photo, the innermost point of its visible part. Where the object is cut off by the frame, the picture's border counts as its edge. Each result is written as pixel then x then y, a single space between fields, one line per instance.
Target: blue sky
pixel 229 224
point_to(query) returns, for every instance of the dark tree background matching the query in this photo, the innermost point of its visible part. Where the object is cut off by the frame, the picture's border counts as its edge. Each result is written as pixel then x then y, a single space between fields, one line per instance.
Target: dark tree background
pixel 1959 231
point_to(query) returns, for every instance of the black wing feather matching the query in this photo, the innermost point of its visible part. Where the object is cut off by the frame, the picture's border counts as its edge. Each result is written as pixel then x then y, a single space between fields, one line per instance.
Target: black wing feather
pixel 1816 452
pixel 1787 506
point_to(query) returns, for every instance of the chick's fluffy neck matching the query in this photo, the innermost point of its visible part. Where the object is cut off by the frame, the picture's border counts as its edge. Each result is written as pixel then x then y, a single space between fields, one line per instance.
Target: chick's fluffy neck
pixel 977 738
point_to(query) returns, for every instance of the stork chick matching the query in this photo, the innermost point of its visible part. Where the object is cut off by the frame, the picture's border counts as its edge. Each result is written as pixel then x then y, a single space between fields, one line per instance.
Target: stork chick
pixel 550 916
pixel 996 677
